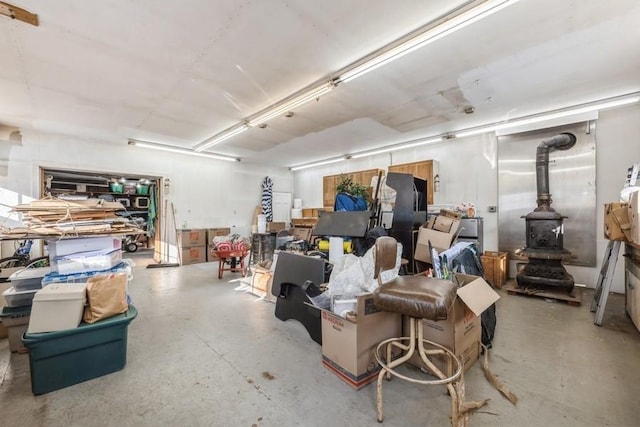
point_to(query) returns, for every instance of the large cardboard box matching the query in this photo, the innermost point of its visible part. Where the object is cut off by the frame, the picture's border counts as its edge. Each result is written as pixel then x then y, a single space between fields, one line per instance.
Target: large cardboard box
pixel 616 221
pixel 440 240
pixel 634 216
pixel 348 347
pixel 194 255
pixel 462 331
pixel 188 238
pixel 216 232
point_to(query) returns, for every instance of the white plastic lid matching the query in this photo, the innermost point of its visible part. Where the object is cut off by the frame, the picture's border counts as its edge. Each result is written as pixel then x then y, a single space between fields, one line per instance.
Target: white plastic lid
pixel 30 273
pixel 12 291
pixel 61 291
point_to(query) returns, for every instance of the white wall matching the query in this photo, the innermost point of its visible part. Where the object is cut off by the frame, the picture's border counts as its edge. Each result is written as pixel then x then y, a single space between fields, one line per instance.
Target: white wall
pixel 205 192
pixel 468 173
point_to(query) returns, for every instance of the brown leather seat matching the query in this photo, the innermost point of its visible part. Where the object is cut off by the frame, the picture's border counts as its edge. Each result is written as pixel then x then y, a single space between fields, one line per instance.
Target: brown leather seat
pixel 416 296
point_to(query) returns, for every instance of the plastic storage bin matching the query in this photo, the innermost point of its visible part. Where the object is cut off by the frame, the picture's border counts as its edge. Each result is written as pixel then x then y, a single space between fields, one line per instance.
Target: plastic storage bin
pixel 52 277
pixel 61 359
pixel 15 298
pixel 57 307
pixel 28 278
pixel 16 321
pixel 86 261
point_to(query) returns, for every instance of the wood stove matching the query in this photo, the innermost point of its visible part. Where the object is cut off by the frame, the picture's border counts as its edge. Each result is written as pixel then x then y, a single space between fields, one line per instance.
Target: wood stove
pixel 545 229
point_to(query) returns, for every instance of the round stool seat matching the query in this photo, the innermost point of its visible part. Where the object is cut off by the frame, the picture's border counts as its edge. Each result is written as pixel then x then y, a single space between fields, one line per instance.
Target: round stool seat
pixel 417 296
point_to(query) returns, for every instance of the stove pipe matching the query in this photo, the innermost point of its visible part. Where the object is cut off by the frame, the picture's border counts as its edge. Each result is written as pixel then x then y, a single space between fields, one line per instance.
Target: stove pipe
pixel 561 142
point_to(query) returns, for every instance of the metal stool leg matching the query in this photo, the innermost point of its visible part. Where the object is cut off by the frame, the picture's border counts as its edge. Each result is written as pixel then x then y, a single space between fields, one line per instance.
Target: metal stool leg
pixel 416 341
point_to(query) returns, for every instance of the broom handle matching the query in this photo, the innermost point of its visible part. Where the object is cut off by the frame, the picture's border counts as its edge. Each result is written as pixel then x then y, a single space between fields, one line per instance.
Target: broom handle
pixel 175 227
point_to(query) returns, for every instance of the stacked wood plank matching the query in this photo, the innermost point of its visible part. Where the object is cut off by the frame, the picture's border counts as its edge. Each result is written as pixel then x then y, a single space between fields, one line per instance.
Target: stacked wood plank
pixel 56 217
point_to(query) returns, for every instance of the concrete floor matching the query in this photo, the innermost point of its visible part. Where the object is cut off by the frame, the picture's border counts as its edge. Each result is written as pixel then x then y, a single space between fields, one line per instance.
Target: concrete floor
pixel 202 354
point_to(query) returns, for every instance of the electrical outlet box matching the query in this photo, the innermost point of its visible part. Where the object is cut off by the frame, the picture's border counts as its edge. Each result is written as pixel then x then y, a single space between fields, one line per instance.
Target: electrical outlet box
pixel 492 209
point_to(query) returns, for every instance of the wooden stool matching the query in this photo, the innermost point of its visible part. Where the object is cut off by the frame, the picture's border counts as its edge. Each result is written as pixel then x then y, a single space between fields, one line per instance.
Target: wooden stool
pixel 418 297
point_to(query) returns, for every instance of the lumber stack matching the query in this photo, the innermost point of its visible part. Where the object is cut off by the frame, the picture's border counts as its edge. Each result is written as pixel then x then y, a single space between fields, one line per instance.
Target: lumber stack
pixel 56 217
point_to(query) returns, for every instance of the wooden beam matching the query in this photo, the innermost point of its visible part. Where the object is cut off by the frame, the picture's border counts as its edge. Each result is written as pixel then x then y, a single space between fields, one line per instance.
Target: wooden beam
pixel 15 12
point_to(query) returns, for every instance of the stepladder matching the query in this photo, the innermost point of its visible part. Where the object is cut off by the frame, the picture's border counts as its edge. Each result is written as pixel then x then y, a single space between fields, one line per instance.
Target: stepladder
pixel 605 278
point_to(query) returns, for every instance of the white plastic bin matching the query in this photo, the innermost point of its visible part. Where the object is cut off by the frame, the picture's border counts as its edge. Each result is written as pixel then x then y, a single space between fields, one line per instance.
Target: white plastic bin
pixel 29 278
pixel 57 307
pixel 16 298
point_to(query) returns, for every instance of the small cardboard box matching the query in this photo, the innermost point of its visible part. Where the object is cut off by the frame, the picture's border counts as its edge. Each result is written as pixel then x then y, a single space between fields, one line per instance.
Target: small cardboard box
pixel 216 232
pixel 617 225
pixel 188 238
pixel 348 348
pixel 634 217
pixel 462 331
pixel 301 233
pixel 440 241
pixel 276 226
pixel 194 255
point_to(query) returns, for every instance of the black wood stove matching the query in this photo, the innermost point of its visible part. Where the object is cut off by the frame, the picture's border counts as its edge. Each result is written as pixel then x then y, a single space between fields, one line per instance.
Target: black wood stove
pixel 544 228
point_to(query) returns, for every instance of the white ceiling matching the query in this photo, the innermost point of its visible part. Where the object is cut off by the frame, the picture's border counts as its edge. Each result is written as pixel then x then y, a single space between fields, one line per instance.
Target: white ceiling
pixel 179 72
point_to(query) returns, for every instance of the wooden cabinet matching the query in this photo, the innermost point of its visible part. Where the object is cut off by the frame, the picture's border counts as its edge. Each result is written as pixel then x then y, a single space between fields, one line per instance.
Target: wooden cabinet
pixel 426 169
pixel 330 182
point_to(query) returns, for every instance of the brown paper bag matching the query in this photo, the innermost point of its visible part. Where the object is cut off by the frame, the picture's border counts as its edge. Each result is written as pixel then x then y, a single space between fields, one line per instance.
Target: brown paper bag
pixel 106 297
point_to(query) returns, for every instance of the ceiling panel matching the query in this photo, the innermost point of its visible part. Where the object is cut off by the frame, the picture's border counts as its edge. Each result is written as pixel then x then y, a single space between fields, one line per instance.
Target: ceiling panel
pixel 179 72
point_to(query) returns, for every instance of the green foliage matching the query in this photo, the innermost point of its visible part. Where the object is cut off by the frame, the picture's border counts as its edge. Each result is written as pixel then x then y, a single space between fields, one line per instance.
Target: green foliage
pixel 346 185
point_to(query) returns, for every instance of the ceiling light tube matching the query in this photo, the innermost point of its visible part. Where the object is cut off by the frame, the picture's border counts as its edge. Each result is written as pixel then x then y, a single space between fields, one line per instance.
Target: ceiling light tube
pixel 297 101
pixel 599 105
pixel 425 36
pixel 222 136
pixel 174 149
pixel 320 163
pixel 402 146
pixel 552 115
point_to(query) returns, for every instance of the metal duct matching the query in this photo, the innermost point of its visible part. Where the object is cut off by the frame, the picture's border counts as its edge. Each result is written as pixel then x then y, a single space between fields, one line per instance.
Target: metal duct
pixel 561 142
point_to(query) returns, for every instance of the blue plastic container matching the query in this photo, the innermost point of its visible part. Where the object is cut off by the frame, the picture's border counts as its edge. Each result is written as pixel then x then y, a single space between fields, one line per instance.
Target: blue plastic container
pixel 64 358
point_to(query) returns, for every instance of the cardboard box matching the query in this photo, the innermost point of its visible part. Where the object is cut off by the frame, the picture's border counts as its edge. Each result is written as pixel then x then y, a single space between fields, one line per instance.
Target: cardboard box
pixel 496 268
pixel 450 214
pixel 440 241
pixel 216 232
pixel 276 226
pixel 617 225
pixel 632 290
pixel 348 348
pixel 462 331
pixel 304 222
pixel 261 281
pixel 211 254
pixel 188 238
pixel 634 217
pixel 194 255
pixel 301 233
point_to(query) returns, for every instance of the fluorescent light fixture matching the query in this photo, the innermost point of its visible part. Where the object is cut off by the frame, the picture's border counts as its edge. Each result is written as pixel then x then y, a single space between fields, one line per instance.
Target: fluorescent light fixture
pixel 290 104
pixel 613 102
pixel 320 163
pixel 222 136
pixel 425 36
pixel 542 117
pixel 174 149
pixel 402 146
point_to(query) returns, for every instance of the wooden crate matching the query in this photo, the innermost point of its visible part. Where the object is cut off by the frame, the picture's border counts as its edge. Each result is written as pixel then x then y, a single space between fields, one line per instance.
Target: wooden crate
pixel 496 268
